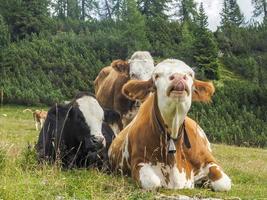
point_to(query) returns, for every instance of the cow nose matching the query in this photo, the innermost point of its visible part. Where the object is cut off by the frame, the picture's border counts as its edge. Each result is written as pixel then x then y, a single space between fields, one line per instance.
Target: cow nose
pixel 99 140
pixel 178 77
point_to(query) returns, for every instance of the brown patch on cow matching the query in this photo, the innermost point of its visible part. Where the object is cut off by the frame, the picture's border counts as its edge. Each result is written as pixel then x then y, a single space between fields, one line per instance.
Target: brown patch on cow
pixel 203 91
pixel 109 93
pixel 145 147
pixel 108 87
pixel 198 155
pixel 214 173
pixel 101 76
pixel 137 89
pixel 121 66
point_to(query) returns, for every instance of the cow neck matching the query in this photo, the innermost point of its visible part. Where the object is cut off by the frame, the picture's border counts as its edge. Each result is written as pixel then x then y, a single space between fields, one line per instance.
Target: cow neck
pixel 163 128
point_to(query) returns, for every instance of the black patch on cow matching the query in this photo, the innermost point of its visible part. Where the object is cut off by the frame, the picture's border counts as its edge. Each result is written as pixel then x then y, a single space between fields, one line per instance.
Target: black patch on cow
pixel 111 116
pixel 186 140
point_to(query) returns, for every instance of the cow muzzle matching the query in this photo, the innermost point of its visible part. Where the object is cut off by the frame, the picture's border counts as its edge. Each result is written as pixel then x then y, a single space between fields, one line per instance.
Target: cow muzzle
pixel 178 86
pixel 99 141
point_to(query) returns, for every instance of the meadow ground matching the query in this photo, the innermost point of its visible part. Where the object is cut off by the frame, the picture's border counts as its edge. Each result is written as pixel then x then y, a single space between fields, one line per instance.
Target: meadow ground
pixel 22 178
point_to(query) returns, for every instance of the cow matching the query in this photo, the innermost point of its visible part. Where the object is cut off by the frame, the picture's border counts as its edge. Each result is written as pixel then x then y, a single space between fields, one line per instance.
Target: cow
pixel 110 80
pixel 77 134
pixel 162 147
pixel 39 117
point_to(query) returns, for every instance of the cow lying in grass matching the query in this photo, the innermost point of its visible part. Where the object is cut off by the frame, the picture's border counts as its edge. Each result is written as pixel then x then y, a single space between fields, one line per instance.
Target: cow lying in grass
pixel 162 147
pixel 77 134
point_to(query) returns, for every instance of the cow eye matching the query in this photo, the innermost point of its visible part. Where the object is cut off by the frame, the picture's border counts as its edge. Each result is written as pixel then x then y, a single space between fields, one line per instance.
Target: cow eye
pixel 133 76
pixel 190 74
pixel 156 76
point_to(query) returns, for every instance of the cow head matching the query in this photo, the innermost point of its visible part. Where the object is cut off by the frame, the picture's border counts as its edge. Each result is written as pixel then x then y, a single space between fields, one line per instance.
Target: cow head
pixel 92 116
pixel 138 90
pixel 173 82
pixel 85 120
pixel 141 65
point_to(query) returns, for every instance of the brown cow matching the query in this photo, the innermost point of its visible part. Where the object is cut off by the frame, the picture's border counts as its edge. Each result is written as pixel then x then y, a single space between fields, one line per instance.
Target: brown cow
pixel 110 80
pixel 162 147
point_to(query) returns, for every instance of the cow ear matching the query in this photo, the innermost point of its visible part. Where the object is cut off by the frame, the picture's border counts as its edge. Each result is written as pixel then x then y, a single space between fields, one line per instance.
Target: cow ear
pixel 137 89
pixel 202 91
pixel 120 66
pixel 111 116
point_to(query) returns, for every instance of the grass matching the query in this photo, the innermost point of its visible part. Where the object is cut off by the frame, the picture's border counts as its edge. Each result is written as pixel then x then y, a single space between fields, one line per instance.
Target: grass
pixel 22 178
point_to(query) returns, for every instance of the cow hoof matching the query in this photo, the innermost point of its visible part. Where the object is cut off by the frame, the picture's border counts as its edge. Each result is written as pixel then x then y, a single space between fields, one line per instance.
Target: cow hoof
pixel 222 185
pixel 148 179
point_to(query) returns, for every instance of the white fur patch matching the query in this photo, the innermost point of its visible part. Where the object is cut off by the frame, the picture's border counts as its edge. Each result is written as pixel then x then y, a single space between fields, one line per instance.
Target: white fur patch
pixel 180 181
pixel 141 65
pixel 93 114
pixel 125 153
pixel 223 184
pixel 175 180
pixel 203 172
pixel 204 136
pixel 148 178
pixel 115 128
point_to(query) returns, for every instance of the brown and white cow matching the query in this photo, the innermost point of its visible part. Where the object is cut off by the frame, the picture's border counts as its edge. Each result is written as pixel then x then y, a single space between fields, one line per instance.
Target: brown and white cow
pixel 162 147
pixel 110 80
pixel 39 117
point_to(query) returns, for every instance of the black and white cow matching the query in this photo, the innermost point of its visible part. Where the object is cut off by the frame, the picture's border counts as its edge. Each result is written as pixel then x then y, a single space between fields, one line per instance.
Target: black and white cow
pixel 77 134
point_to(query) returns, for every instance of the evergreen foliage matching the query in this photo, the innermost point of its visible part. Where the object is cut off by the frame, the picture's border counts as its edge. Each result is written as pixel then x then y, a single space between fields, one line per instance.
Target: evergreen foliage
pixel 47 55
pixel 25 17
pixel 260 8
pixel 4 33
pixel 187 10
pixel 205 48
pixel 231 14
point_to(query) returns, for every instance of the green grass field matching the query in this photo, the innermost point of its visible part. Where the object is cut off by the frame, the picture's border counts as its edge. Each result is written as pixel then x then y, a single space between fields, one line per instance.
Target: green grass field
pixel 22 178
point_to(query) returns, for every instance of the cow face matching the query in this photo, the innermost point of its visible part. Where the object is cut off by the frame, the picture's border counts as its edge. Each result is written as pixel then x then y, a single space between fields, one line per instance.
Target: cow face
pixel 173 80
pixel 139 90
pixel 141 65
pixel 93 116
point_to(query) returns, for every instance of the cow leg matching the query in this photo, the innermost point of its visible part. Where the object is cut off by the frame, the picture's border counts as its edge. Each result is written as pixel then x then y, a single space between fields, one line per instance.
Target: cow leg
pixel 218 180
pixel 41 123
pixel 180 180
pixel 146 176
pixel 36 125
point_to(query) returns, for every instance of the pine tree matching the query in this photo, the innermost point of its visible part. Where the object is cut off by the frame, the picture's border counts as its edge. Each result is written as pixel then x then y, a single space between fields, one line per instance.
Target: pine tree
pixel 73 9
pixel 110 9
pixel 133 24
pixel 186 46
pixel 60 8
pixel 187 10
pixel 205 48
pixel 202 18
pixel 89 8
pixel 25 17
pixel 231 14
pixel 153 8
pixel 260 8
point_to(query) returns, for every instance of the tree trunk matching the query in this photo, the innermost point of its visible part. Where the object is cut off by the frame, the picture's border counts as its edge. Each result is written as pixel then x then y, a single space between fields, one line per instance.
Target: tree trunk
pixel 108 9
